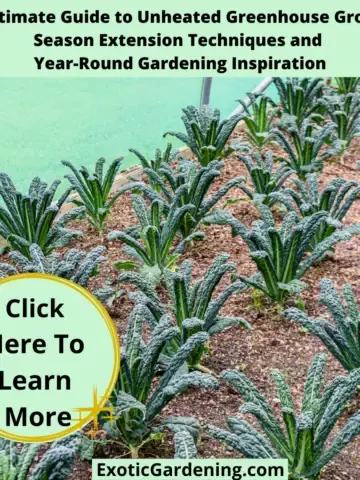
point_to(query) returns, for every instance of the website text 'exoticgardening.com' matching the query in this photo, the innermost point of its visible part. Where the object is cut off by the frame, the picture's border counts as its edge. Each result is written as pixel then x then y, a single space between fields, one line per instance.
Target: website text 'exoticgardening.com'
pixel 221 469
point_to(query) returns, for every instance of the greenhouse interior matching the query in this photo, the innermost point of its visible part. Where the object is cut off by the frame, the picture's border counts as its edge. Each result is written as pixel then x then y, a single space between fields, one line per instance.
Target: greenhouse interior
pixel 217 222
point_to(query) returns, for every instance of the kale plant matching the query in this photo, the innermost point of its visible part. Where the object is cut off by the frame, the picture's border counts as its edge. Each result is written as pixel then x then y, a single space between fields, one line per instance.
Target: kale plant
pixel 157 235
pixel 138 403
pixel 206 134
pixel 303 150
pixel 299 96
pixel 260 118
pixel 185 446
pixel 76 265
pixel 336 198
pixel 32 218
pixel 344 111
pixel 160 160
pixel 347 84
pixel 303 440
pixel 265 180
pixel 280 254
pixel 17 460
pixel 342 338
pixel 192 303
pixel 93 190
pixel 187 185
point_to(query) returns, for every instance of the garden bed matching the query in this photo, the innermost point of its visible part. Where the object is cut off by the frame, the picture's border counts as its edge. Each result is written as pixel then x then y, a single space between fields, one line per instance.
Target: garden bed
pixel 273 343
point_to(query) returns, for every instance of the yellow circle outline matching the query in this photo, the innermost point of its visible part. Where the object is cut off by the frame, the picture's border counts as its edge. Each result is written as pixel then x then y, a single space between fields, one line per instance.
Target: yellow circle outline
pixel 115 341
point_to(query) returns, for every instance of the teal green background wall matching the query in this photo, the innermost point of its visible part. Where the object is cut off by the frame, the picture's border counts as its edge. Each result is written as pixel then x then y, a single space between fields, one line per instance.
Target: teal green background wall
pixel 44 121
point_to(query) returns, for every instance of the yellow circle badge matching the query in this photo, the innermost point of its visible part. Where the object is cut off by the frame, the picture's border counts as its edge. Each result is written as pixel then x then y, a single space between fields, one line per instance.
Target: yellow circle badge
pixel 59 357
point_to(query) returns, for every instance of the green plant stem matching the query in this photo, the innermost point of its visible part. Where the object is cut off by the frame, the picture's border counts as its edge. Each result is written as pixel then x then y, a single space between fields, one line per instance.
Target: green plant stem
pixel 134 452
pixel 203 369
pixel 282 297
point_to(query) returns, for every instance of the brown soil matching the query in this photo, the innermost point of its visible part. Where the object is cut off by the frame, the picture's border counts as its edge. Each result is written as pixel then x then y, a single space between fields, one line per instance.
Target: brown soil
pixel 273 342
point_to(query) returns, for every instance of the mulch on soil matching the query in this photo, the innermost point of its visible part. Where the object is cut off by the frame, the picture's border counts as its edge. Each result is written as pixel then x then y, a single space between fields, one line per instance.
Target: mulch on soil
pixel 273 343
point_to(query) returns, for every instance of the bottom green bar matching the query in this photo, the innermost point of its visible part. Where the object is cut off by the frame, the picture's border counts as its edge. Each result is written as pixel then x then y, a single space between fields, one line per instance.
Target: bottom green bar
pixel 210 468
